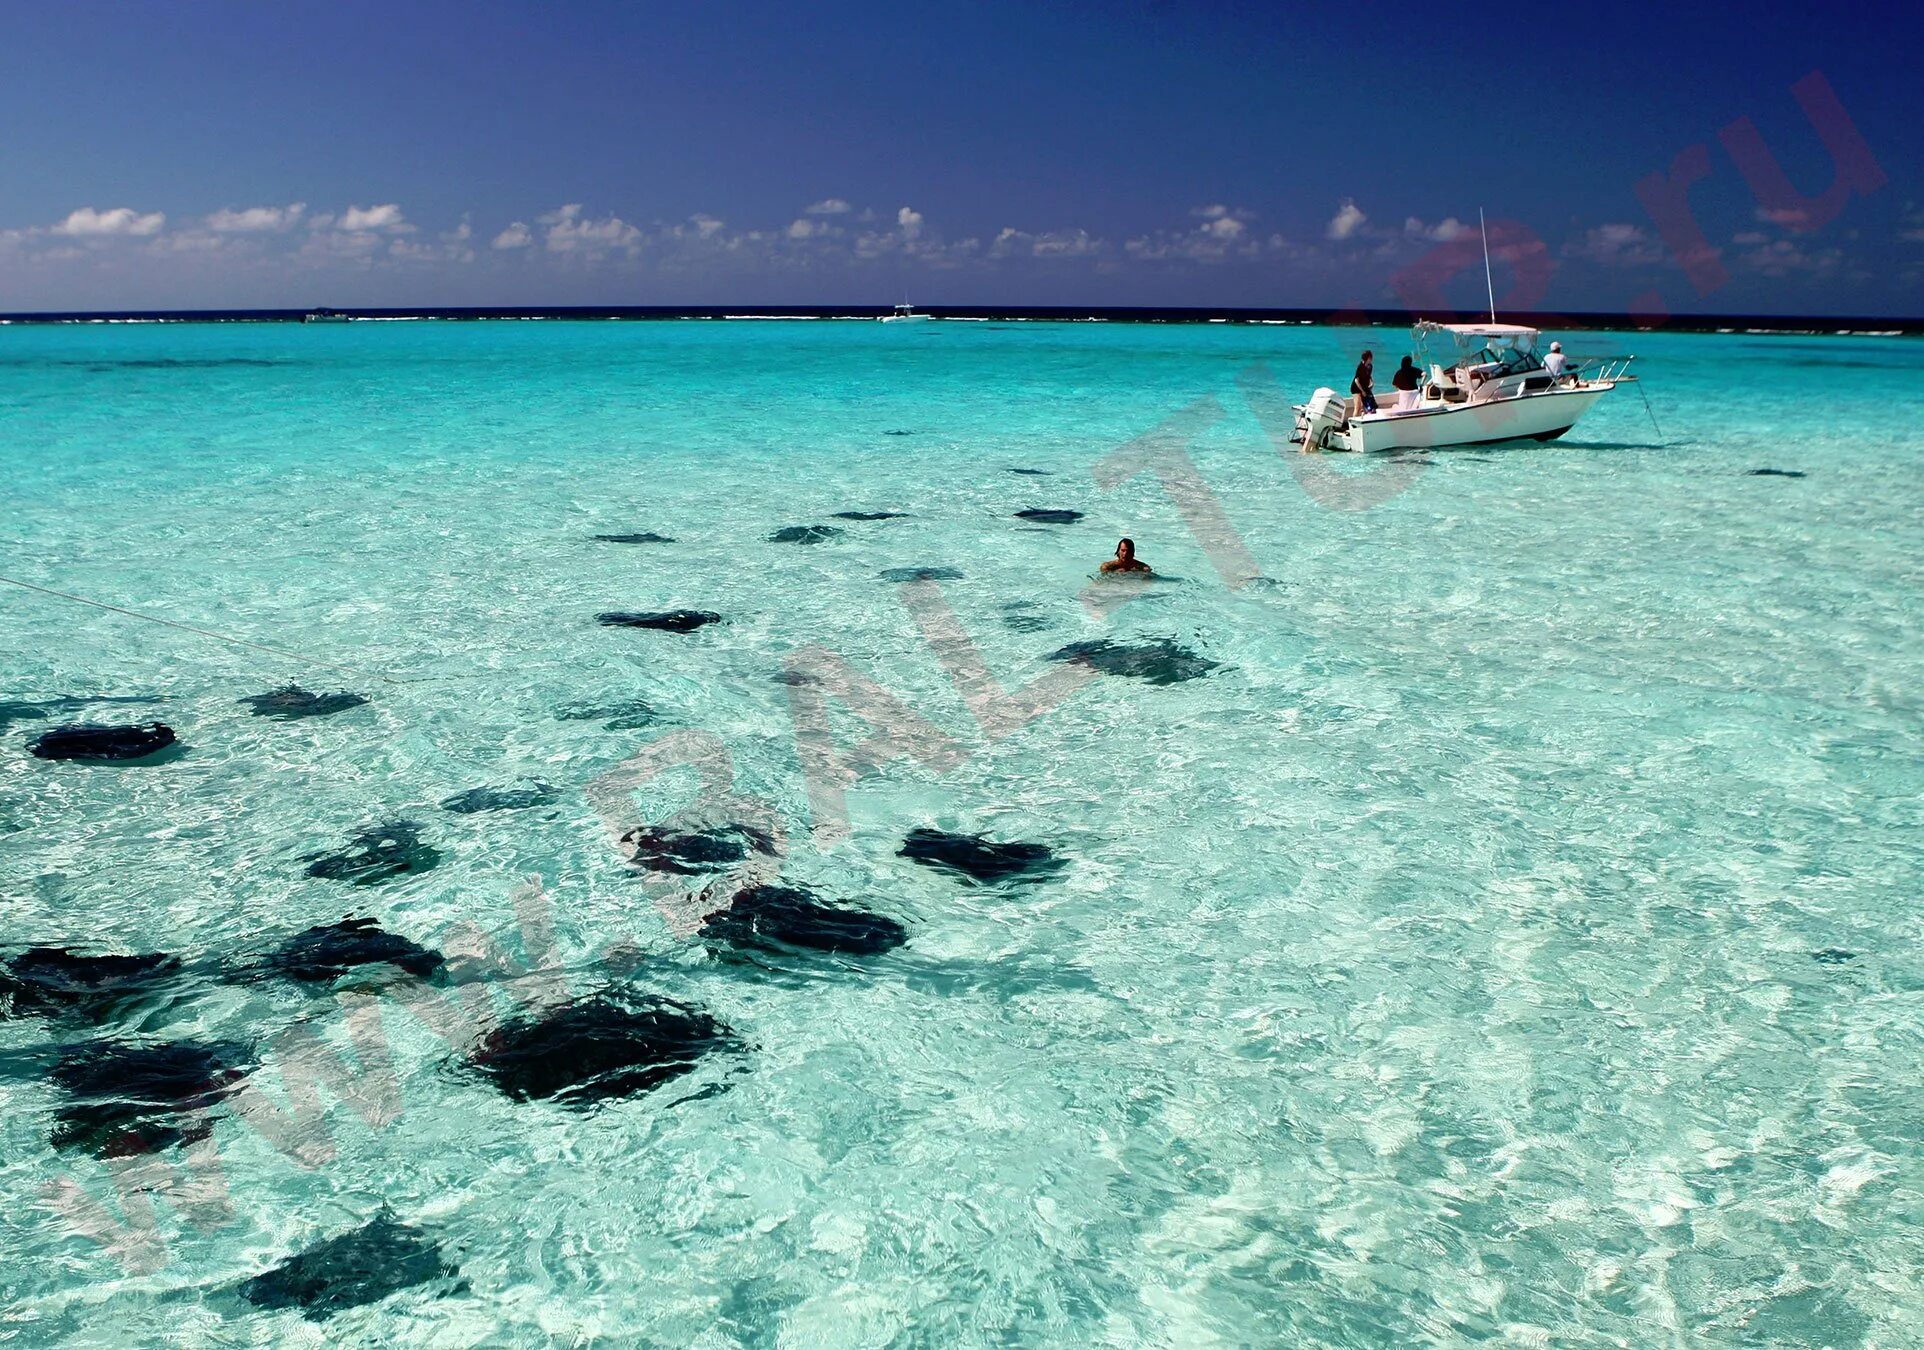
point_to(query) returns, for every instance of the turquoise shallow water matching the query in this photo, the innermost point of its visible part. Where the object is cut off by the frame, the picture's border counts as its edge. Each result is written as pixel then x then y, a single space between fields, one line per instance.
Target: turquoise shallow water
pixel 1513 939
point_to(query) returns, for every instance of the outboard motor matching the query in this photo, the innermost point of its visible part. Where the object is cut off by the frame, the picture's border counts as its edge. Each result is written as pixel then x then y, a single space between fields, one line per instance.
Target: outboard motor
pixel 1325 412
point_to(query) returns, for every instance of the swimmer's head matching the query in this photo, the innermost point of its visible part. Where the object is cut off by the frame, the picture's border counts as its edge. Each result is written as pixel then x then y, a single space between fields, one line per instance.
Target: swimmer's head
pixel 1126 549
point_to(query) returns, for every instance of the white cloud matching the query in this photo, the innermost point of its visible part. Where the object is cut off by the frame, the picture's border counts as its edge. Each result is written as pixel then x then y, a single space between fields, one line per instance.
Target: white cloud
pixel 1012 242
pixel 516 235
pixel 1442 232
pixel 707 227
pixel 1222 235
pixel 1346 220
pixel 569 232
pixel 121 220
pixel 1912 230
pixel 255 219
pixel 828 206
pixel 1781 258
pixel 385 217
pixel 803 228
pixel 1617 245
pixel 910 222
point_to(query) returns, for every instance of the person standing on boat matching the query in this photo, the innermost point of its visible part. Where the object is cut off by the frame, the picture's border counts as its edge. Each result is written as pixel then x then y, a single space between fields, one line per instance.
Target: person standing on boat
pixel 1408 379
pixel 1361 385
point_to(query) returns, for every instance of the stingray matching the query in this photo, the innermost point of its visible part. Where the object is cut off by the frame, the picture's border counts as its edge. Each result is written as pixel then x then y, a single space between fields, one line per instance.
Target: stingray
pixel 323 954
pixel 871 515
pixel 921 574
pixel 804 534
pixel 291 703
pixel 103 745
pixel 476 800
pixel 692 852
pixel 629 715
pixel 122 1098
pixel 56 982
pixel 645 537
pixel 665 621
pixel 979 859
pixel 1777 473
pixel 599 1048
pixel 378 853
pixel 785 918
pixel 1049 517
pixel 365 1266
pixel 1158 662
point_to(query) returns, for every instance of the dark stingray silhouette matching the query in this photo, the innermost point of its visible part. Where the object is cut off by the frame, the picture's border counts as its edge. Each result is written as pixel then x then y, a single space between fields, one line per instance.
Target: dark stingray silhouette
pixel 786 918
pixel 290 703
pixel 645 537
pixel 122 1098
pixel 103 745
pixel 365 1266
pixel 56 982
pixel 1033 473
pixel 692 852
pixel 921 574
pixel 979 859
pixel 804 534
pixel 325 953
pixel 1049 517
pixel 1778 473
pixel 1158 662
pixel 378 853
pixel 627 715
pixel 476 800
pixel 664 621
pixel 871 515
pixel 599 1048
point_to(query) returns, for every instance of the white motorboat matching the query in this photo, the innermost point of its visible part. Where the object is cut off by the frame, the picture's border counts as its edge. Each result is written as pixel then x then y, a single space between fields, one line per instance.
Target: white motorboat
pixel 1495 388
pixel 905 313
pixel 324 316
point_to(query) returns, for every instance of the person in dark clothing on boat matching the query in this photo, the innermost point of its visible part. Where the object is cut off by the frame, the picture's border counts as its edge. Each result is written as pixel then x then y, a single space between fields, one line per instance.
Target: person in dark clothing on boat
pixel 1361 385
pixel 1407 377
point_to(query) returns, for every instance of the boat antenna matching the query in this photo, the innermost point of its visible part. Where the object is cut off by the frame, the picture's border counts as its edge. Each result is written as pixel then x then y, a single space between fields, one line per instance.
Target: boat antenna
pixel 1489 284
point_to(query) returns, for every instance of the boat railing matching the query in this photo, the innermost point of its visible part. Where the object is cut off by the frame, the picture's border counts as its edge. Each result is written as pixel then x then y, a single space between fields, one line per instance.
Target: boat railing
pixel 1601 369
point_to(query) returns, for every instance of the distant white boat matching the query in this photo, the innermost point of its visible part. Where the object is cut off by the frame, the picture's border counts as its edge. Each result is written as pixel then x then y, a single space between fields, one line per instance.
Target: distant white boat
pixel 905 313
pixel 324 316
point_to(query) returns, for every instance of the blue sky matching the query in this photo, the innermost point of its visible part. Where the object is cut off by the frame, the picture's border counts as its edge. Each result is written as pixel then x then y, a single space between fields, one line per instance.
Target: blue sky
pixel 222 155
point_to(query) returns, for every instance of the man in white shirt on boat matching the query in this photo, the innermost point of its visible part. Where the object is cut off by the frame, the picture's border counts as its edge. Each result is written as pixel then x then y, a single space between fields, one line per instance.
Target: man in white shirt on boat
pixel 1555 363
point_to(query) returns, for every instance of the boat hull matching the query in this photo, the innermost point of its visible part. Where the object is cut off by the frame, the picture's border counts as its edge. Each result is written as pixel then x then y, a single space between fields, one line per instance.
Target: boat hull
pixel 1541 417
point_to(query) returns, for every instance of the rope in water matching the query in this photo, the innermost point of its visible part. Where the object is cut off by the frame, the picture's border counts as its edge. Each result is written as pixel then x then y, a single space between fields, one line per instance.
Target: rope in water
pixel 1647 408
pixel 203 632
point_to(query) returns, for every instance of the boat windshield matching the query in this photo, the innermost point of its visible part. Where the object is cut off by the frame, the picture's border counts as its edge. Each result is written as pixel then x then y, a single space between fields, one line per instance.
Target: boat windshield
pixel 1499 347
pixel 1506 357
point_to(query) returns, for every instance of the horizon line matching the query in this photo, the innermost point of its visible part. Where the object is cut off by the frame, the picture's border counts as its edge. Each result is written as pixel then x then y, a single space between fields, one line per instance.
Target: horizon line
pixel 1340 317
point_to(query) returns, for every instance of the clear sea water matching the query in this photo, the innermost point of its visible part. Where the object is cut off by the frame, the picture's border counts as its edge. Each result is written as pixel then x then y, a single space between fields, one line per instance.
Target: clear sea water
pixel 1513 940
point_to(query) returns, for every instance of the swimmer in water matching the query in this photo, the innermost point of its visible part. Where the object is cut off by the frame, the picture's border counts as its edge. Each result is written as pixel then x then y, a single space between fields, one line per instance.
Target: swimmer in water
pixel 1125 559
